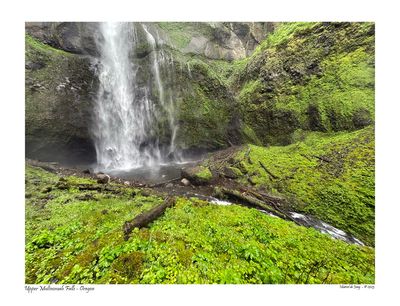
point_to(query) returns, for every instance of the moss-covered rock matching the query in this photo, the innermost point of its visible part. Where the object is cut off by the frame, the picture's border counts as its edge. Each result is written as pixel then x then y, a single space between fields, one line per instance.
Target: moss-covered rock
pixel 198 175
pixel 73 37
pixel 310 76
pixel 215 40
pixel 59 89
pixel 205 108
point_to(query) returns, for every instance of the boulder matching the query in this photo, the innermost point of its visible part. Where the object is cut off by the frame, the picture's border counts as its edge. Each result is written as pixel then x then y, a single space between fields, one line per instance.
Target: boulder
pixel 102 178
pixel 197 175
pixel 185 182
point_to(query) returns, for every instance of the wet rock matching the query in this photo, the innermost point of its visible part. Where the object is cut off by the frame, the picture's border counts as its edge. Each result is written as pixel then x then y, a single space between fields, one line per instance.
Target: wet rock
pixel 185 182
pixel 169 185
pixel 127 183
pixel 34 65
pixel 102 178
pixel 197 175
pixel 87 171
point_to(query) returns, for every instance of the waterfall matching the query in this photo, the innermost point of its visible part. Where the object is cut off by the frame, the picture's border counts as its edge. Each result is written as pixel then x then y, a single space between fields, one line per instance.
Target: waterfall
pixel 167 104
pixel 127 115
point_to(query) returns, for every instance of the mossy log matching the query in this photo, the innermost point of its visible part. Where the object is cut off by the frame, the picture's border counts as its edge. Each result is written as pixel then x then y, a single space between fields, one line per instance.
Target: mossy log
pixel 62 185
pixel 262 201
pixel 269 172
pixel 47 166
pixel 147 217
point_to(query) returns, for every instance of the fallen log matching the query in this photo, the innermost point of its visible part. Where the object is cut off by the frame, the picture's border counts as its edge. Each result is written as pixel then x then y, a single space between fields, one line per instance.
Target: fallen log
pixel 269 206
pixel 269 172
pixel 325 159
pixel 147 217
pixel 322 158
pixel 235 194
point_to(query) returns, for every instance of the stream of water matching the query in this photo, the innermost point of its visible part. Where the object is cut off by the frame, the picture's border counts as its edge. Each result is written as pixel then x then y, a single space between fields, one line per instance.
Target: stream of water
pixel 304 220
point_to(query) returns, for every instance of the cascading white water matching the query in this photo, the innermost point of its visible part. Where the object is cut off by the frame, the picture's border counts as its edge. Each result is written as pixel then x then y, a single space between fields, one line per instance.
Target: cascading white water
pixel 167 105
pixel 126 116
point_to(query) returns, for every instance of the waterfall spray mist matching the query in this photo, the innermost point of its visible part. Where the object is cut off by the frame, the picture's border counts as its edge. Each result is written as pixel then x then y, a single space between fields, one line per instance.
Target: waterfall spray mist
pixel 126 114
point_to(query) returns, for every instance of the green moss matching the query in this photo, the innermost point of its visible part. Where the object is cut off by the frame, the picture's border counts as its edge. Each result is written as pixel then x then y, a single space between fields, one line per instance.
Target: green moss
pixel 204 174
pixel 328 176
pixel 32 46
pixel 74 241
pixel 250 91
pixel 310 76
pixel 205 110
pixel 61 225
pixel 283 33
pixel 249 135
pixel 58 88
pixel 345 89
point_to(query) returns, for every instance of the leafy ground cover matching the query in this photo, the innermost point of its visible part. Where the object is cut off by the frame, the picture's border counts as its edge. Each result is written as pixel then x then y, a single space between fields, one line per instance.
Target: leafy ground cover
pixel 329 176
pixel 75 236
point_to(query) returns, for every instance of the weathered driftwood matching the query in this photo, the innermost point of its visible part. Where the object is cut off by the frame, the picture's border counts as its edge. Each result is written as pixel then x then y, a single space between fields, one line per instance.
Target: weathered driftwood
pixel 262 201
pixel 147 217
pixel 243 197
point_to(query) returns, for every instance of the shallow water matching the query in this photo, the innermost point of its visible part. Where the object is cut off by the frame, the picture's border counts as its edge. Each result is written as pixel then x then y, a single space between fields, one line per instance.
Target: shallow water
pixel 151 175
pixel 324 228
pixel 304 220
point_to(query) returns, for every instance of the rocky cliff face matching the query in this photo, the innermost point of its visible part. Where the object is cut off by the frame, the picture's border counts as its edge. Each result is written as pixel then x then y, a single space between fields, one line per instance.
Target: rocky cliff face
pixel 308 76
pixel 216 40
pixel 264 83
pixel 61 82
pixel 59 90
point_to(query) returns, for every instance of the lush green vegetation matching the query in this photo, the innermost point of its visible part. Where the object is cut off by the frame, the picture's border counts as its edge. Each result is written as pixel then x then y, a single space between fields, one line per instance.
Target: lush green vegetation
pixel 330 176
pixel 308 86
pixel 33 45
pixel 309 76
pixel 76 237
pixel 205 109
pixel 204 174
